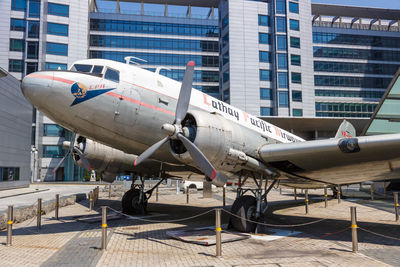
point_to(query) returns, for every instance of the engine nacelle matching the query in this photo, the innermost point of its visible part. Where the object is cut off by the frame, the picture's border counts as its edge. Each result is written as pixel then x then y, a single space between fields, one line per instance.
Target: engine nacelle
pixel 104 159
pixel 215 136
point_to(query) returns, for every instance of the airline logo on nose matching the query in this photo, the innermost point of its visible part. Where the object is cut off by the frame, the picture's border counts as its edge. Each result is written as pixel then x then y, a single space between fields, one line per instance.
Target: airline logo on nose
pixel 81 93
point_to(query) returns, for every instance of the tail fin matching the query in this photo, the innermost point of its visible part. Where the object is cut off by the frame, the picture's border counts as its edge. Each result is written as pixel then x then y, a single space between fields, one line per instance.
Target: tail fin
pixel 346 130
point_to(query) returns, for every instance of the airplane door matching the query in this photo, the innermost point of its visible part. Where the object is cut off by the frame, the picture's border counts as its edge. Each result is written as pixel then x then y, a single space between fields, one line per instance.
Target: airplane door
pixel 126 108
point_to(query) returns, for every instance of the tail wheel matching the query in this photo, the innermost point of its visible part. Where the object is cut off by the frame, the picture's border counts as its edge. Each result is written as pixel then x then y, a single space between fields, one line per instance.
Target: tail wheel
pixel 245 208
pixel 131 204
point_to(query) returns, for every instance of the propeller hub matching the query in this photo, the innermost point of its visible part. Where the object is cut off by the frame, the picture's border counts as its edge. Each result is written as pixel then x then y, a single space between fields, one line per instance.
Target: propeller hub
pixel 170 129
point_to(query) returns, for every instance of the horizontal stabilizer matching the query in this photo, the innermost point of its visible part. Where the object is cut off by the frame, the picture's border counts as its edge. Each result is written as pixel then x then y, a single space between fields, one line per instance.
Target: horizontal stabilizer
pixel 346 130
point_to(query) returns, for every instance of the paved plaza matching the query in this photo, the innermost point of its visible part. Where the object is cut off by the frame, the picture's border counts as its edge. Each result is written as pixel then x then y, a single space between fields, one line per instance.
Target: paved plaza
pixel 138 242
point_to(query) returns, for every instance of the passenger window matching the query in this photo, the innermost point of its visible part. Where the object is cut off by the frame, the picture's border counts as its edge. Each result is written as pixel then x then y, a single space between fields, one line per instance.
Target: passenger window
pixel 112 75
pixel 81 67
pixel 97 69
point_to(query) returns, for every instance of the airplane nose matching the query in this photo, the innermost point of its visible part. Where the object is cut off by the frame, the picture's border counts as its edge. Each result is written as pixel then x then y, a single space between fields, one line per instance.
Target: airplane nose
pixel 37 86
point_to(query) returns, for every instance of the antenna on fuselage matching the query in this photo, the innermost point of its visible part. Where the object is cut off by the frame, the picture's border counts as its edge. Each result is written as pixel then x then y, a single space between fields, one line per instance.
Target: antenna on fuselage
pixel 128 60
pixel 161 68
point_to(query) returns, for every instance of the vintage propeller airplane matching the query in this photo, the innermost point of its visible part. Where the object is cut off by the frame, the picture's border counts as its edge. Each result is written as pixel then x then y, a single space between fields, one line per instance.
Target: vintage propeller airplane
pixel 121 111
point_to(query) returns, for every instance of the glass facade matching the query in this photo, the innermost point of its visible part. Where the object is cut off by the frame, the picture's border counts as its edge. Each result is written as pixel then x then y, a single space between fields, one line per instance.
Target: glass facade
pixel 294 7
pixel 280 24
pixel 296 77
pixel 281 42
pixel 33 50
pixel 265 94
pixel 31 67
pixel 57 29
pixel 53 151
pixel 19 5
pixel 332 109
pixel 350 67
pixel 345 81
pixel 351 39
pixel 33 29
pixel 53 130
pixel 225 77
pixel 294 42
pixel 266 111
pixel 17 45
pixel 263 20
pixel 294 25
pixel 15 65
pixel 349 93
pixel 55 66
pixel 263 38
pixel 295 60
pixel 153 43
pixel 369 54
pixel 283 80
pixel 34 8
pixel 280 6
pixel 283 99
pixel 297 112
pixel 265 56
pixel 18 25
pixel 57 49
pixel 153 28
pixel 297 96
pixel 282 62
pixel 198 75
pixel 265 75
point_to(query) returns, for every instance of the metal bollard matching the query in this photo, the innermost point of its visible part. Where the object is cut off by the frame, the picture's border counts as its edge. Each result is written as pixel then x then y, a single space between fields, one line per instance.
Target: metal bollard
pixel 280 191
pixel 157 194
pixel 103 227
pixel 10 220
pixel 306 200
pixel 57 206
pixel 90 200
pixel 97 193
pixel 187 195
pixel 372 193
pixel 326 197
pixel 39 213
pixel 354 237
pixel 396 205
pixel 223 196
pixel 295 194
pixel 109 191
pixel 338 194
pixel 218 233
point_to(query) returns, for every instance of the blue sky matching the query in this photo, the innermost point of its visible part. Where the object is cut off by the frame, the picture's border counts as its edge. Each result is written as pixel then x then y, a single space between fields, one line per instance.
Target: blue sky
pixel 391 4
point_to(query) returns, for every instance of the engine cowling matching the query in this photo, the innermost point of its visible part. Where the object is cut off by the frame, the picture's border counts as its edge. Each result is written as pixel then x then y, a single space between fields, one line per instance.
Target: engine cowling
pixel 215 136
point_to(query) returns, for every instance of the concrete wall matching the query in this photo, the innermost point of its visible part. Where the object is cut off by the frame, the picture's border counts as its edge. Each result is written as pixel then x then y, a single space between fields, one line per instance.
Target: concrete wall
pixel 15 131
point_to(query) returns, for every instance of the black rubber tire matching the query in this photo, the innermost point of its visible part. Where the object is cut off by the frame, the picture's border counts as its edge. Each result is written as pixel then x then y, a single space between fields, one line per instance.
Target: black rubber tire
pixel 130 204
pixel 242 207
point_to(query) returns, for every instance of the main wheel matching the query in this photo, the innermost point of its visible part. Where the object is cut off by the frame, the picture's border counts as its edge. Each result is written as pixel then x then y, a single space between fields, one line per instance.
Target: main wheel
pixel 130 203
pixel 245 207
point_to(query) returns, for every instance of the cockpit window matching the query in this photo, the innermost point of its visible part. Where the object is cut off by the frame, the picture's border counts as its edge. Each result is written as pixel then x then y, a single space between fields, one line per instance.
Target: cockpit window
pixel 112 75
pixel 97 69
pixel 81 67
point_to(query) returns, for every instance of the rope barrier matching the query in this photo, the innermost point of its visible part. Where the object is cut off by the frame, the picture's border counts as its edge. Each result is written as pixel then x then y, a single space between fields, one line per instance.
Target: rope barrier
pixel 161 221
pixel 276 225
pixel 374 233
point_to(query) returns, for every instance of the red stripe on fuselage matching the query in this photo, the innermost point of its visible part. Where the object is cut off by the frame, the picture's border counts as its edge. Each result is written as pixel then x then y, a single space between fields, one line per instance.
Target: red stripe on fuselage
pixel 141 103
pixel 48 77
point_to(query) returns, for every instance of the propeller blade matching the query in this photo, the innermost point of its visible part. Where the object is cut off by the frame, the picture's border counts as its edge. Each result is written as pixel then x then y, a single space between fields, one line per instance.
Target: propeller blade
pixel 148 152
pixel 72 144
pixel 184 95
pixel 83 158
pixel 61 162
pixel 198 157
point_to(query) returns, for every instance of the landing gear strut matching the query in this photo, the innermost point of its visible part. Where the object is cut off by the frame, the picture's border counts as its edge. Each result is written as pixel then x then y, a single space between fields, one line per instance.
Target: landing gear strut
pixel 135 200
pixel 250 208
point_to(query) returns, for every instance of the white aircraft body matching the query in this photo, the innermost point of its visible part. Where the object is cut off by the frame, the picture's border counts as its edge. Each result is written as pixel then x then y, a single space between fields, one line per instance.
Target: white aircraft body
pixel 121 111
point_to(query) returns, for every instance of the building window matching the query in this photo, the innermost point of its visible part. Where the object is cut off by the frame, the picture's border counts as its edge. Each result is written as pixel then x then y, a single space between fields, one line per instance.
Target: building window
pixel 18 25
pixel 282 61
pixel 34 8
pixel 283 99
pixel 15 65
pixel 57 29
pixel 265 111
pixel 9 174
pixel 225 40
pixel 265 75
pixel 294 24
pixel 225 58
pixel 225 22
pixel 350 93
pixel 263 20
pixel 53 151
pixel 33 29
pixel 226 94
pixel 31 67
pixel 225 76
pixel 295 60
pixel 17 45
pixel 33 50
pixel 55 66
pixel 283 80
pixel 281 24
pixel 281 6
pixel 281 42
pixel 294 42
pixel 297 112
pixel 265 94
pixel 265 56
pixel 53 130
pixel 329 109
pixel 294 7
pixel 263 38
pixel 58 10
pixel 19 5
pixel 345 81
pixel 57 49
pixel 297 96
pixel 296 77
